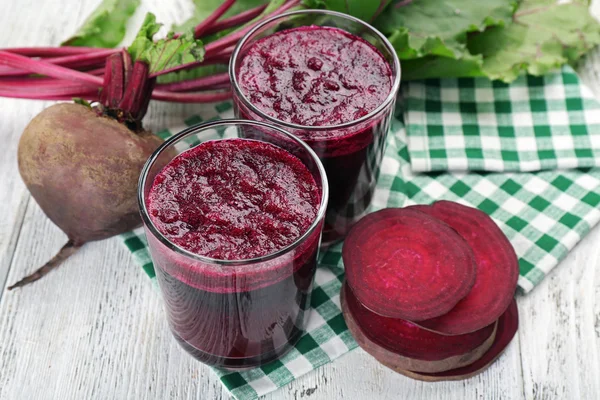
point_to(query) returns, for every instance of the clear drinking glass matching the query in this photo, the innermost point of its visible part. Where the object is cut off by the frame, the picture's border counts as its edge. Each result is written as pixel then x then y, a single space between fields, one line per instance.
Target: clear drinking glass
pixel 228 313
pixel 352 157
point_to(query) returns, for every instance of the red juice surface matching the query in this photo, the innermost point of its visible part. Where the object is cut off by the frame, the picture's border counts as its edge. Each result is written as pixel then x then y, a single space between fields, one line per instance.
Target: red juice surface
pixel 235 199
pixel 321 76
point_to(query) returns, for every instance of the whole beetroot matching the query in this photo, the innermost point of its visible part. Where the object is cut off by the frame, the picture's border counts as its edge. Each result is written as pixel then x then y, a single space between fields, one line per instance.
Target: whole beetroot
pixel 82 168
pixel 81 162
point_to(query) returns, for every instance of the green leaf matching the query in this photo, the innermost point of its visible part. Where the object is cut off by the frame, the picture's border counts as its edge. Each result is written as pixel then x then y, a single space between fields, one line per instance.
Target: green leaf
pixel 433 27
pixel 165 53
pixel 441 67
pixel 203 8
pixel 366 10
pixel 83 102
pixel 106 26
pixel 144 40
pixel 544 35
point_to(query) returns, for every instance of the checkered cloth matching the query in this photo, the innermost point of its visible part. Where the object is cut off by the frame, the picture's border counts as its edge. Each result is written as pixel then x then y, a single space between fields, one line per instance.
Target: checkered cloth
pixel 544 214
pixel 534 123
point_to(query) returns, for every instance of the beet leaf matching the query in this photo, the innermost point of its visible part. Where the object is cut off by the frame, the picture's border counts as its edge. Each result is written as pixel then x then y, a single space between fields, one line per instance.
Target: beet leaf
pixel 499 39
pixel 365 10
pixel 106 26
pixel 165 53
pixel 432 27
pixel 545 34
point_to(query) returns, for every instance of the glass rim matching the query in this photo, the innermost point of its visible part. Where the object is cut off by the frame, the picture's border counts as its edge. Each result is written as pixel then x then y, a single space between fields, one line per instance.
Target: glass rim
pixel 388 100
pixel 229 122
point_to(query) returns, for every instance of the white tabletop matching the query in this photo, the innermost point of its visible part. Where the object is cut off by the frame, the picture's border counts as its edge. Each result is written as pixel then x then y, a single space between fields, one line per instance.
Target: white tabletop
pixel 95 327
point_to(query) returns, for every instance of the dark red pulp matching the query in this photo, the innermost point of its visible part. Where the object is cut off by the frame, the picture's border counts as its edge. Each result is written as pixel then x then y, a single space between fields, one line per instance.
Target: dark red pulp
pixel 405 338
pixel 508 324
pixel 497 269
pixel 235 199
pixel 403 263
pixel 320 76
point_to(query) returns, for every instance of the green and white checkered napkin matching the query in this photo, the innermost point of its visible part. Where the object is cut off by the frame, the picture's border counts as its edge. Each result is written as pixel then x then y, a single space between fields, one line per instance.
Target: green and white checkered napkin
pixel 532 124
pixel 544 214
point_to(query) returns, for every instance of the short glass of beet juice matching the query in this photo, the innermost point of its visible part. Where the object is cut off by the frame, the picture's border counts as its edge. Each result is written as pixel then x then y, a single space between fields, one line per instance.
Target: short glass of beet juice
pixel 233 212
pixel 331 80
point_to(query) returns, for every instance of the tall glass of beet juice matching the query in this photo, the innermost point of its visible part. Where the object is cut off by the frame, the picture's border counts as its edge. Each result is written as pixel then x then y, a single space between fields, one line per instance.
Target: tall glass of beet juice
pixel 331 80
pixel 233 211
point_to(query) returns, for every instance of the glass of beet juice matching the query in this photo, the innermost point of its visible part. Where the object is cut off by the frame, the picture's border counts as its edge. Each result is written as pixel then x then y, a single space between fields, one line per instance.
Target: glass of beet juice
pixel 233 211
pixel 331 80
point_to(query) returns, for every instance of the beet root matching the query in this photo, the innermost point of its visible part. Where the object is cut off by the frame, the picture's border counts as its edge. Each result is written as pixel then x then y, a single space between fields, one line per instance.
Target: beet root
pixel 82 168
pixel 403 263
pixel 507 328
pixel 399 344
pixel 497 269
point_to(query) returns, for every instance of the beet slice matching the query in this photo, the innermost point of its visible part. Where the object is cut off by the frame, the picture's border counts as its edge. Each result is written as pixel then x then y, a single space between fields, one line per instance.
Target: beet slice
pixel 403 345
pixel 497 269
pixel 507 327
pixel 403 263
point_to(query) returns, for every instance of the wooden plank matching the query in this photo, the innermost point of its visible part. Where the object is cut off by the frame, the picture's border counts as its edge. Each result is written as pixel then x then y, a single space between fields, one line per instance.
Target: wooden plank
pixel 14 116
pixel 560 329
pixel 357 375
pixel 95 327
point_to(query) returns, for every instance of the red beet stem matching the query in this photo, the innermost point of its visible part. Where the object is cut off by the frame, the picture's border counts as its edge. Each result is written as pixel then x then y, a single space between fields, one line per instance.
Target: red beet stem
pixel 51 51
pixel 114 81
pixel 92 95
pixel 136 96
pixel 222 59
pixel 220 86
pixel 223 56
pixel 96 71
pixel 44 68
pixel 237 35
pixel 190 97
pixel 201 28
pixel 195 84
pixel 236 20
pixel 127 66
pixel 11 93
pixel 225 42
pixel 18 62
pixel 83 60
pixel 44 86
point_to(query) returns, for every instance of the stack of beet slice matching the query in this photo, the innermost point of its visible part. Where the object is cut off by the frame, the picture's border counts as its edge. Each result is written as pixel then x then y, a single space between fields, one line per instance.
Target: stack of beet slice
pixel 429 290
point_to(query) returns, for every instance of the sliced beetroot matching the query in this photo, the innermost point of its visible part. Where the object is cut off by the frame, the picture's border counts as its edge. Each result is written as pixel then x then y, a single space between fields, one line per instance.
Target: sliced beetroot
pixel 403 263
pixel 507 327
pixel 403 345
pixel 497 269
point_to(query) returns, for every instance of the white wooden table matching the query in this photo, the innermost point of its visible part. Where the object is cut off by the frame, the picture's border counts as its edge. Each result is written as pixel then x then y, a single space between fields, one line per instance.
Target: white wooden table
pixel 95 327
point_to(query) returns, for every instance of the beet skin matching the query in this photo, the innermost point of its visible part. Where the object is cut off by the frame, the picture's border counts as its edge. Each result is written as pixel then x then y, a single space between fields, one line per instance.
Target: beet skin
pixel 82 169
pixel 402 345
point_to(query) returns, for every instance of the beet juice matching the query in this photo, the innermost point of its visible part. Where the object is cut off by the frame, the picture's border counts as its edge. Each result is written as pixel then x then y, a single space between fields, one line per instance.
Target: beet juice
pixel 233 226
pixel 331 88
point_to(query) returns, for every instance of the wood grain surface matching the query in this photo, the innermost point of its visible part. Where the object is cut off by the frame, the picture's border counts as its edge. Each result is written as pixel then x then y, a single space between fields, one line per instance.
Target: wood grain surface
pixel 95 327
